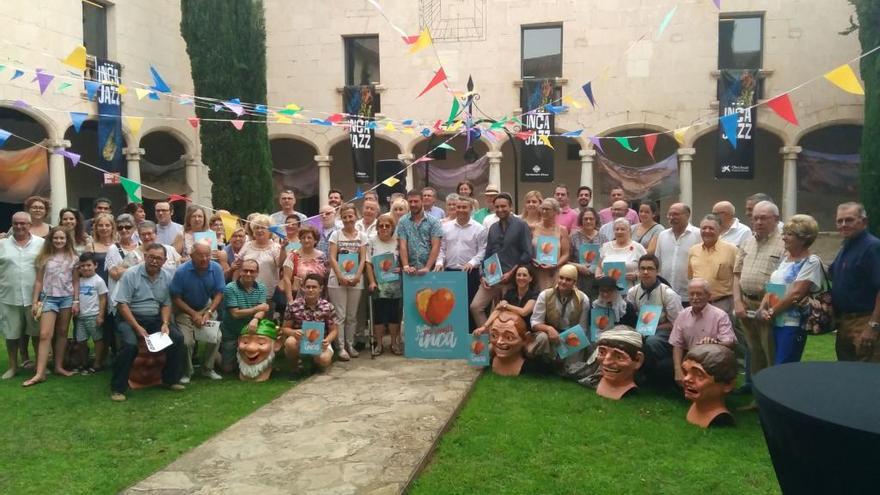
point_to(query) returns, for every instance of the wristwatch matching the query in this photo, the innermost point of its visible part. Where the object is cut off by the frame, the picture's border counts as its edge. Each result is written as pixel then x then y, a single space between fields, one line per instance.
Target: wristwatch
pixel 874 325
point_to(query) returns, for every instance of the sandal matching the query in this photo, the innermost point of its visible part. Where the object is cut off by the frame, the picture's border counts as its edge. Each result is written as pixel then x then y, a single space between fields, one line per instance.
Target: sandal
pixel 27 364
pixel 395 349
pixel 33 381
pixel 378 350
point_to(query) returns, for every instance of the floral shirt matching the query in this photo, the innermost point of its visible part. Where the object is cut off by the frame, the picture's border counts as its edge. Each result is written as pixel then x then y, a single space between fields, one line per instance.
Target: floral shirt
pixel 58 275
pixel 299 312
pixel 418 237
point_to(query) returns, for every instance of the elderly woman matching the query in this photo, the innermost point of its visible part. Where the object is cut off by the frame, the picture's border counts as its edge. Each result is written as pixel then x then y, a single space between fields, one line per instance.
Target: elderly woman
pixel 72 221
pixel 451 201
pixel 232 248
pixel 303 261
pixel 803 274
pixel 587 233
pixel 545 274
pixel 266 252
pixel 38 207
pixel 645 232
pixel 531 213
pixel 621 248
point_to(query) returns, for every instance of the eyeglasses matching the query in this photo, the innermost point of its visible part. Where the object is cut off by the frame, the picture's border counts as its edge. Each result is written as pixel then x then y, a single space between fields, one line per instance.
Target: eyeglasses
pixel 384 226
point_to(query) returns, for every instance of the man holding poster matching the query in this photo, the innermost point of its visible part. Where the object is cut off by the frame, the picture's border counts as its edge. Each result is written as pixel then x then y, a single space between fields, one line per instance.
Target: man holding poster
pixel 309 307
pixel 463 246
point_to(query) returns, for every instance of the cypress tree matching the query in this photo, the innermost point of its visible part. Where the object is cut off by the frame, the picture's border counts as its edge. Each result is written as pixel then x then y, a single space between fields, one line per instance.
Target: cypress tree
pixel 868 12
pixel 226 44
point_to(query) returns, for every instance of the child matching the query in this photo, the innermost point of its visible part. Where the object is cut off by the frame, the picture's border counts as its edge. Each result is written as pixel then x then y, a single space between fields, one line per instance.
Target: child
pixel 92 307
pixel 58 281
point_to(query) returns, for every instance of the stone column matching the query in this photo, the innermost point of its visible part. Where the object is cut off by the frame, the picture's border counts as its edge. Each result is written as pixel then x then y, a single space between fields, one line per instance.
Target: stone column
pixel 494 169
pixel 323 162
pixel 685 175
pixel 192 176
pixel 57 178
pixel 789 180
pixel 409 180
pixel 133 162
pixel 587 157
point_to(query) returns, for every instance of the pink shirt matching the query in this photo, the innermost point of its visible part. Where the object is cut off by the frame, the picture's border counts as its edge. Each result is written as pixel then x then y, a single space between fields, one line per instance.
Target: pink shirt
pixel 631 215
pixel 690 328
pixel 568 218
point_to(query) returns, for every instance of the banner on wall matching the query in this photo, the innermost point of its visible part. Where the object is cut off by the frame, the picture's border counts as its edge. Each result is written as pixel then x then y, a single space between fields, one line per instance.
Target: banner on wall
pixel 435 312
pixel 826 179
pixel 362 104
pixel 537 158
pixel 109 75
pixel 739 91
pixel 23 173
pixel 655 182
pixel 444 175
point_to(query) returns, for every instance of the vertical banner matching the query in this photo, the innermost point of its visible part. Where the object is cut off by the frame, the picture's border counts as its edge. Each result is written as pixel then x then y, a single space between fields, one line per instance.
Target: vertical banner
pixel 361 103
pixel 739 90
pixel 537 157
pixel 108 73
pixel 435 312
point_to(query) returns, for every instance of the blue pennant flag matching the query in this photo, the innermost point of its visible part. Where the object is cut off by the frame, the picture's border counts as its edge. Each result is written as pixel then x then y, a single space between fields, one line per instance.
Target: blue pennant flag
pixel 730 125
pixel 278 230
pixel 4 135
pixel 555 109
pixel 261 109
pixel 371 124
pixel 77 119
pixel 17 74
pixel 158 83
pixel 92 89
pixel 573 134
pixel 588 90
pixel 358 194
pixel 407 122
pixel 320 122
pixel 426 132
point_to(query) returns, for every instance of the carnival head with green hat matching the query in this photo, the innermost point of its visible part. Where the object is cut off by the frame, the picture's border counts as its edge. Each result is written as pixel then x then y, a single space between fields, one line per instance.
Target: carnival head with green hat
pixel 256 351
pixel 267 328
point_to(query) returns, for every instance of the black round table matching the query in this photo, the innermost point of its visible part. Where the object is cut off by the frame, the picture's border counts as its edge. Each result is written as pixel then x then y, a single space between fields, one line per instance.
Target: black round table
pixel 821 421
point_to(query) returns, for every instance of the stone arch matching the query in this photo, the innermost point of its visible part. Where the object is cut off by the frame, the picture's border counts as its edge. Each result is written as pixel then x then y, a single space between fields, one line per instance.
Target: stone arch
pixel 293 167
pixel 189 148
pixel 34 126
pixel 342 167
pixel 51 129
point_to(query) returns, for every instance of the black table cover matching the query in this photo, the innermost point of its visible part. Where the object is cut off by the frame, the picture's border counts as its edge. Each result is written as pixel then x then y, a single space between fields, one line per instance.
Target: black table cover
pixel 821 421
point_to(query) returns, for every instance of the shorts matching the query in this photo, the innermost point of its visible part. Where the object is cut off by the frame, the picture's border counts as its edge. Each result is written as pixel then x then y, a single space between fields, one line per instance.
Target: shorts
pixel 55 304
pixel 87 328
pixel 18 319
pixel 386 311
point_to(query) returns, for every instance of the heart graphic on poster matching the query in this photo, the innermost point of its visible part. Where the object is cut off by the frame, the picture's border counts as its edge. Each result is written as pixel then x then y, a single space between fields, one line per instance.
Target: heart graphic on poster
pixel 589 256
pixel 435 306
pixel 386 265
pixel 312 335
pixel 614 273
pixel 572 340
pixel 493 267
pixel 648 317
pixel 477 347
pixel 602 322
pixel 348 265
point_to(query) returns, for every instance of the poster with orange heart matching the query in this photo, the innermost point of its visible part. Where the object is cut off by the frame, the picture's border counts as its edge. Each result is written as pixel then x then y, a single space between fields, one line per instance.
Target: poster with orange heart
pixel 588 254
pixel 571 341
pixel 649 316
pixel 492 269
pixel 776 293
pixel 617 271
pixel 435 316
pixel 383 266
pixel 348 264
pixel 601 319
pixel 479 351
pixel 547 250
pixel 313 337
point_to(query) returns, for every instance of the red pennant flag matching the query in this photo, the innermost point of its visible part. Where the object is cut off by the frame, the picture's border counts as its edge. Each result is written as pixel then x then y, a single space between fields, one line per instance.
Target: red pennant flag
pixel 439 77
pixel 193 121
pixel 524 134
pixel 177 197
pixel 238 124
pixel 336 117
pixel 409 40
pixel 782 106
pixel 650 142
pixel 437 126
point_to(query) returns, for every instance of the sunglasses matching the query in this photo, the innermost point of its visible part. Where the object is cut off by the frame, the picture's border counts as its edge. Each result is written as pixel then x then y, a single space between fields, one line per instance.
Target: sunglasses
pixel 124 227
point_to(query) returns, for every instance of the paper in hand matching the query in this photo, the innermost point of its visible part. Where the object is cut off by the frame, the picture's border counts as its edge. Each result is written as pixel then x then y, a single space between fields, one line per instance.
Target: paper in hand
pixel 158 341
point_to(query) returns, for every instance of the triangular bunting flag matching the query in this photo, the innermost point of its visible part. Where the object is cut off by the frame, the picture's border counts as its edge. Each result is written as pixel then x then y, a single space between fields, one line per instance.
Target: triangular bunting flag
pixel 290 109
pixel 235 106
pixel 490 135
pixel 261 109
pixel 568 100
pixel 177 197
pixel 446 146
pixel 4 135
pixel 44 79
pixel 77 119
pixel 665 22
pixel 193 121
pixel 391 181
pixel 158 83
pixel 455 126
pixel 320 122
pixel 278 230
pixel 2 67
pixel 134 124
pixel 281 119
pixel 438 78
pixel 20 104
pixel 390 127
pixel 92 89
pixel 141 93
pixel 546 140
pixel 624 141
pixel 18 73
pixel 372 124
pixel 122 89
pixel 74 157
pixel 426 132
pixel 61 87
pixel 782 106
pixel 422 42
pixel 185 101
pixel 77 58
pixel 409 40
pixel 153 96
pixel 453 112
pixel 844 78
pixel 588 90
pixel 573 134
pixel 679 135
pixel 717 3
pixel 238 124
pixel 523 135
pixel 650 142
pixel 335 118
pixel 555 109
pixel 230 223
pixel 131 188
pixel 729 124
pixel 597 143
pixel 358 194
pixel 423 158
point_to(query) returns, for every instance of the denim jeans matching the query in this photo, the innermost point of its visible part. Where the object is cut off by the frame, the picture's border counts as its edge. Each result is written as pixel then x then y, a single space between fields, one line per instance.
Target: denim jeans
pixel 128 350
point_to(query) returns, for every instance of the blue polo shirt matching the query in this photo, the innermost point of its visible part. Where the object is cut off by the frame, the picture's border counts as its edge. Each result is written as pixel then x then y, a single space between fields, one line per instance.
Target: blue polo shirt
pixel 197 289
pixel 855 275
pixel 143 296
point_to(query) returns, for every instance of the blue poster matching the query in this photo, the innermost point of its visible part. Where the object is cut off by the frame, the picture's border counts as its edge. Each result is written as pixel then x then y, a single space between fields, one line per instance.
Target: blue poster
pixel 348 263
pixel 383 267
pixel 109 75
pixel 547 251
pixel 492 269
pixel 479 355
pixel 435 315
pixel 571 341
pixel 617 271
pixel 312 339
pixel 601 319
pixel 649 317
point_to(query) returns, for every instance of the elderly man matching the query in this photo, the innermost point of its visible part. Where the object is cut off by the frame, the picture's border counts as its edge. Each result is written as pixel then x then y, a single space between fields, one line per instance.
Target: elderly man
pixel 713 261
pixel 556 310
pixel 197 290
pixel 463 246
pixel 143 307
pixel 429 197
pixel 419 236
pixel 617 194
pixel 756 259
pixel 310 307
pixel 244 301
pixel 328 226
pixel 585 197
pixel 166 230
pixel 651 291
pixel 699 323
pixel 753 200
pixel 855 292
pixel 566 217
pixel 17 256
pixel 673 246
pixel 732 230
pixel 606 231
pixel 489 197
pixel 510 238
pixel 287 200
pixel 367 222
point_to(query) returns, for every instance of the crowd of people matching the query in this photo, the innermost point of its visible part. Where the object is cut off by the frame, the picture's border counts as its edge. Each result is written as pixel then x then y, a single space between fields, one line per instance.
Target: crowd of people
pixel 117 279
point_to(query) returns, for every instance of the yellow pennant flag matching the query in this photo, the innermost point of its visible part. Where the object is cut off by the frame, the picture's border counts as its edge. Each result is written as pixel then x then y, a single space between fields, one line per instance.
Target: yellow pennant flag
pixel 230 223
pixel 77 58
pixel 284 120
pixel 605 73
pixel 679 135
pixel 844 78
pixel 423 42
pixel 571 101
pixel 408 130
pixel 134 124
pixel 546 140
pixel 122 89
pixel 391 181
pixel 454 127
pixel 390 127
pixel 141 92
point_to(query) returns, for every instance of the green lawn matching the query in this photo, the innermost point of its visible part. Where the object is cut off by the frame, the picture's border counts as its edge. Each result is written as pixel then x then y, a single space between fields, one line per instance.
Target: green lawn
pixel 66 436
pixel 543 435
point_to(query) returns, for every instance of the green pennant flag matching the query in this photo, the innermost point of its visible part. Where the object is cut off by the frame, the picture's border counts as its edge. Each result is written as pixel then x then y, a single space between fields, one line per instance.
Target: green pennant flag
pixel 454 111
pixel 62 87
pixel 131 187
pixel 445 146
pixel 497 125
pixel 2 67
pixel 624 141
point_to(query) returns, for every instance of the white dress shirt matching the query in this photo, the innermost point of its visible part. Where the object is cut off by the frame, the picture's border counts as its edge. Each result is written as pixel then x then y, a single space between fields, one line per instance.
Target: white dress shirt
pixel 369 230
pixel 673 255
pixel 736 233
pixel 462 244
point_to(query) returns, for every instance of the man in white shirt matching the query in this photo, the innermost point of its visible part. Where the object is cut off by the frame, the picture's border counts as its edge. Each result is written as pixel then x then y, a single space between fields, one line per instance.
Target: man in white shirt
pixel 732 230
pixel 673 245
pixel 287 200
pixel 367 222
pixel 463 246
pixel 166 230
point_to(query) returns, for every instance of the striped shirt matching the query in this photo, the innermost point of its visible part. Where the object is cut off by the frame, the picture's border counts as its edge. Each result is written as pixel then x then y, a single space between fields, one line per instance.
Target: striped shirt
pixel 756 260
pixel 235 296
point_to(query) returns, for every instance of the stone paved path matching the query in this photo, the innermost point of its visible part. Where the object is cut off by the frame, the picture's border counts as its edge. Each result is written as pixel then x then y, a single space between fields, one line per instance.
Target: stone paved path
pixel 364 427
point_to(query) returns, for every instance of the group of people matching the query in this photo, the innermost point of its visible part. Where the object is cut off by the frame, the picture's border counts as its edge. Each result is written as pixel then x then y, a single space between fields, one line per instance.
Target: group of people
pixel 120 279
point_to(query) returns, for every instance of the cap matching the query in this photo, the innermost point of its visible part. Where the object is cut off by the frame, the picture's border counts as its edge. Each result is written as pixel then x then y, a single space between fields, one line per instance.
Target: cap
pixel 265 328
pixel 491 189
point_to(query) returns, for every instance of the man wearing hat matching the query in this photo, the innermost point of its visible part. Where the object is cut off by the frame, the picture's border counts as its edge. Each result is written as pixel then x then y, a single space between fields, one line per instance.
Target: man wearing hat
pixel 257 346
pixel 489 195
pixel 556 310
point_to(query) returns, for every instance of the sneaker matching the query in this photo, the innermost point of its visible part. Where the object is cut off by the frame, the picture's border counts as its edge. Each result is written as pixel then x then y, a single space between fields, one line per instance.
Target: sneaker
pixel 176 387
pixel 117 397
pixel 343 355
pixel 352 351
pixel 210 374
pixel 184 380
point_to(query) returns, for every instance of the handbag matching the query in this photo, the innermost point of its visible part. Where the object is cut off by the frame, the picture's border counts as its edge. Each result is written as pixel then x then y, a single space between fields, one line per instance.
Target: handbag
pixel 817 314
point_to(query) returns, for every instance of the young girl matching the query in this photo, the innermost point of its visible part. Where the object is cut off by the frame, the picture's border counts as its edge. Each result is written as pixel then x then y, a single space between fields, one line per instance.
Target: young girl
pixel 386 305
pixel 58 281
